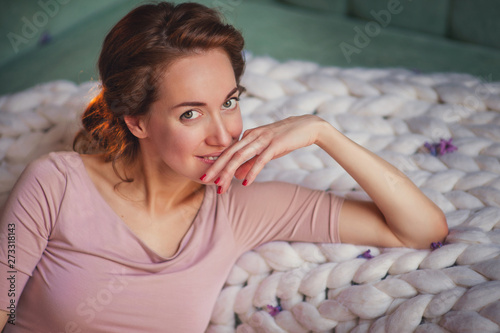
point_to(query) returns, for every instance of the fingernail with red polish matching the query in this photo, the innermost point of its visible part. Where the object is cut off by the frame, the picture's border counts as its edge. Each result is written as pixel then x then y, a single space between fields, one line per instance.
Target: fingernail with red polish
pixel 219 189
pixel 203 177
pixel 245 182
pixel 217 180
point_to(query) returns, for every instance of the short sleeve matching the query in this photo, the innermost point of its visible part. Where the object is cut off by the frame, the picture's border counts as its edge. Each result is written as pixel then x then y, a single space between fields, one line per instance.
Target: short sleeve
pixel 26 223
pixel 269 211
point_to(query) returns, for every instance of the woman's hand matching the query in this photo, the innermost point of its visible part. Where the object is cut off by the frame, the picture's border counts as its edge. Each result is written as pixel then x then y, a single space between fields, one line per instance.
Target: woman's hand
pixel 247 157
pixel 400 214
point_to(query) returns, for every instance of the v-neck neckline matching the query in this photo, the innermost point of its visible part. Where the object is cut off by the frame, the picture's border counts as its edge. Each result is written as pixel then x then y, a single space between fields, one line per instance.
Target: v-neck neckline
pixel 185 239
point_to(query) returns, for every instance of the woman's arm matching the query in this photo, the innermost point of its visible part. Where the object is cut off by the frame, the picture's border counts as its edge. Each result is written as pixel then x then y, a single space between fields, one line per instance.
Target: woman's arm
pixel 27 219
pixel 400 214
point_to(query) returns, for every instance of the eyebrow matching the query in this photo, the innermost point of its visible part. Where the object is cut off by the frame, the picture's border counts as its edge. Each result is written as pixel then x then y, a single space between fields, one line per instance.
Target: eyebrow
pixel 202 103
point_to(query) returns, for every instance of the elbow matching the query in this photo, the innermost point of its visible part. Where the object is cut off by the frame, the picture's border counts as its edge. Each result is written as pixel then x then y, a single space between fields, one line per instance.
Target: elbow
pixel 435 230
pixel 440 228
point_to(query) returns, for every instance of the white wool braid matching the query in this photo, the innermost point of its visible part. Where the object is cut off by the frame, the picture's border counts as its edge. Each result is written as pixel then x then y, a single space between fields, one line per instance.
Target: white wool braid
pixel 325 287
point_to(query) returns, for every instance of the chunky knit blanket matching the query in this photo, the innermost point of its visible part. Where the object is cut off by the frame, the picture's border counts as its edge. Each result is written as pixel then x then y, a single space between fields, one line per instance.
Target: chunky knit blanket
pixel 406 117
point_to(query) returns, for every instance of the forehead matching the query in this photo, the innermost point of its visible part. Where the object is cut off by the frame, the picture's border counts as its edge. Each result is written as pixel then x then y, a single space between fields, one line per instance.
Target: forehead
pixel 203 76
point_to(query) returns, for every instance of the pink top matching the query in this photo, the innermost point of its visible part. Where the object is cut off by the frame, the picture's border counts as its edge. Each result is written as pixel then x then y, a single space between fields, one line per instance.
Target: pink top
pixel 81 269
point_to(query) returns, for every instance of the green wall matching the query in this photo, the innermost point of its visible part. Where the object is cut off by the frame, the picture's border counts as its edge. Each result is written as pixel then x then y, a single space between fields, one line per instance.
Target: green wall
pixel 473 21
pixel 23 22
pixel 419 36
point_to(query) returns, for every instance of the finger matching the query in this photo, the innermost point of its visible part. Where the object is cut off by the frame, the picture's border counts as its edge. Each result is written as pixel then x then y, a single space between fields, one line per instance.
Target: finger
pixel 258 164
pixel 242 171
pixel 238 159
pixel 214 170
pixel 241 167
pixel 247 132
pixel 239 153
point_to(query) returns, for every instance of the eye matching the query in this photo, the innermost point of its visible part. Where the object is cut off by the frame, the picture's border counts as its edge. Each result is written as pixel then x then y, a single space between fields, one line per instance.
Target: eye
pixel 230 103
pixel 191 114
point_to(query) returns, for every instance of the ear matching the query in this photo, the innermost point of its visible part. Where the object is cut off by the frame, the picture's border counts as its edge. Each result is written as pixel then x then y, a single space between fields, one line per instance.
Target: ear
pixel 136 125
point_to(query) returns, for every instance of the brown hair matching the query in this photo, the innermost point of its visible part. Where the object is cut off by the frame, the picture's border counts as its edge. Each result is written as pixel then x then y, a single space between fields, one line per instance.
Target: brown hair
pixel 134 54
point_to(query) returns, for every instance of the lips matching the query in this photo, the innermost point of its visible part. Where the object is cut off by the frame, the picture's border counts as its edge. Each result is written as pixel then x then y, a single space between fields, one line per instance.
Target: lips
pixel 210 158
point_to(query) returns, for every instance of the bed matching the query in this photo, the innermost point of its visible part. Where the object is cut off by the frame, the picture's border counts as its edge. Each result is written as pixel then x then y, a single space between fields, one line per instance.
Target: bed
pixel 440 129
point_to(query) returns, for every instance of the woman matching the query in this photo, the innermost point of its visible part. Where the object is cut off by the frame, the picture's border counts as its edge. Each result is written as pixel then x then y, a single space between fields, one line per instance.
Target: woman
pixel 140 232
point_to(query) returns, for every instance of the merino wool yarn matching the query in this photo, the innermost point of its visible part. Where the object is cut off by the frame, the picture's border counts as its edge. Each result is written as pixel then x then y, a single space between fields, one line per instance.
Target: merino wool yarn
pixel 306 287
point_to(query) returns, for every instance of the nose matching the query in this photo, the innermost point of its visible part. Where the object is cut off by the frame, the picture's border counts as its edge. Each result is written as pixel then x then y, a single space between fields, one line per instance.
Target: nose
pixel 219 132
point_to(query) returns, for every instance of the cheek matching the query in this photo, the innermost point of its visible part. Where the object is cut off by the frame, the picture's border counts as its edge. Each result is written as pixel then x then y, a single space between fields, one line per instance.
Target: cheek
pixel 170 140
pixel 235 127
pixel 183 141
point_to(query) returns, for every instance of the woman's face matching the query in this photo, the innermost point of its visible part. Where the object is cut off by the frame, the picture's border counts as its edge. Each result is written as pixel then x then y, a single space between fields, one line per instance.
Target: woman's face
pixel 196 117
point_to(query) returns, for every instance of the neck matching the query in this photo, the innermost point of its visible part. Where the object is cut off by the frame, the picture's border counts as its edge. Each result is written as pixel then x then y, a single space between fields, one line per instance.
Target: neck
pixel 158 189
